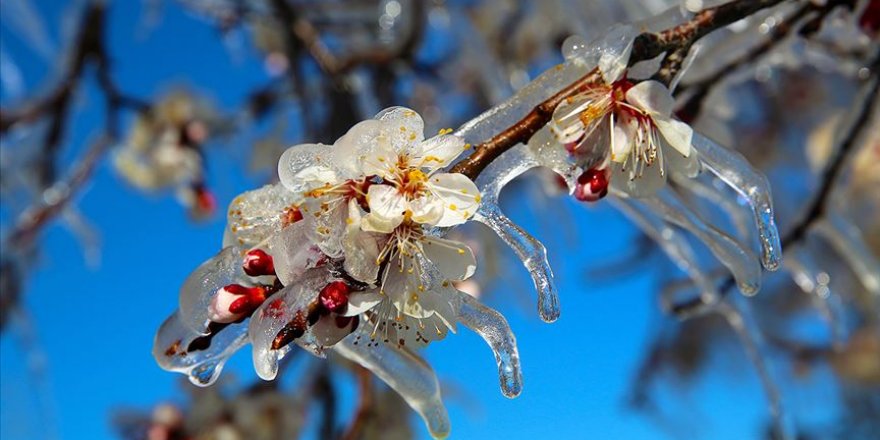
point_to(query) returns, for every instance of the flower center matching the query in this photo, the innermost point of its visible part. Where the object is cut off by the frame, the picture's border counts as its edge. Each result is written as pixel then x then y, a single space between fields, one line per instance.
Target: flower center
pixel 411 181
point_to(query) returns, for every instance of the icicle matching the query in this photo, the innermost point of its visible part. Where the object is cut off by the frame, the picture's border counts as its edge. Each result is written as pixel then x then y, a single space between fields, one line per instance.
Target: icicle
pixel 493 328
pixel 204 282
pixel 173 350
pixel 403 371
pixel 285 311
pixel 814 281
pixel 734 170
pixel 849 243
pixel 741 263
pixel 532 254
pixel 737 312
pixel 510 165
pixel 676 247
pixel 718 198
pixel 499 173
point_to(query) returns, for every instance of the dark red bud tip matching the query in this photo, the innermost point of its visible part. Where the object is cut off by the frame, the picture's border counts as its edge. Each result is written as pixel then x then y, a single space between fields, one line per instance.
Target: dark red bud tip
pixel 205 201
pixel 334 296
pixel 236 289
pixel 870 19
pixel 592 185
pixel 291 215
pixel 257 263
pixel 240 305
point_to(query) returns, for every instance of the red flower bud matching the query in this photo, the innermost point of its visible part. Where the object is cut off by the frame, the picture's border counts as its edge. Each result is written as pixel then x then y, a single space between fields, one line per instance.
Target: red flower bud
pixel 592 185
pixel 334 296
pixel 257 262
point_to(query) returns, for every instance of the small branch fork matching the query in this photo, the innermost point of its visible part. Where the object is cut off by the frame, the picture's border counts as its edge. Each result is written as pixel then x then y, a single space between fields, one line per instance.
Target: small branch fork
pixel 696 92
pixel 88 48
pixel 675 42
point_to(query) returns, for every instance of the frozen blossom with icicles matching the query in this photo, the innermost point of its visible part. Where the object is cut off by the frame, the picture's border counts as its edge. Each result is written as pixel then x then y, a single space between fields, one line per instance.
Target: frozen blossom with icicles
pixel 346 254
pixel 619 136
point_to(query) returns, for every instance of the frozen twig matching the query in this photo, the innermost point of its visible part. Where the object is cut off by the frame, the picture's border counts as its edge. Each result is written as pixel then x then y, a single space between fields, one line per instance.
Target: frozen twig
pixel 645 46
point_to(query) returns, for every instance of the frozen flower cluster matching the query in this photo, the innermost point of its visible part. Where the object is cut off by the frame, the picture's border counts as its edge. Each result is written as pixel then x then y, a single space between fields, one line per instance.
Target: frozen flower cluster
pixel 164 151
pixel 619 136
pixel 346 254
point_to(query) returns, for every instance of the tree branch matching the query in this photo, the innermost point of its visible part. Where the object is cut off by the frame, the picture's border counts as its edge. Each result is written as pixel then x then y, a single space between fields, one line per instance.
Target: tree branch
pixel 364 409
pixel 645 46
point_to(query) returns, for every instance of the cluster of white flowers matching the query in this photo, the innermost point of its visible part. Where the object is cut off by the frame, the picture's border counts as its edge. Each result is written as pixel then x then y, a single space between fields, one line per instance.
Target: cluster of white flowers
pixel 347 253
pixel 350 241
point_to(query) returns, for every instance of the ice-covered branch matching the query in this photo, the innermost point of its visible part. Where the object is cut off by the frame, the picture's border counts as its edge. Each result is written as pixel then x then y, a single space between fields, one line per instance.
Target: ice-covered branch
pixel 816 208
pixel 646 46
pixel 696 92
pixel 302 33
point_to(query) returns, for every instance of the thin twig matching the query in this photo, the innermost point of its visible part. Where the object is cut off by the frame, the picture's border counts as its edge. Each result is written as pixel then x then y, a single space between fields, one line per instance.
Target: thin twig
pixel 697 91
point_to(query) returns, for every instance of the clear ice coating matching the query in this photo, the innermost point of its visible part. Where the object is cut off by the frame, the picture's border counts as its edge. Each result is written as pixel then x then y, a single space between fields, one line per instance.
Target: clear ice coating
pixel 403 371
pixel 202 284
pixel 739 316
pixel 735 171
pixel 848 242
pixel 741 262
pixel 255 215
pixel 675 246
pixel 532 253
pixel 179 348
pixel 717 197
pixel 290 304
pixel 810 277
pixel 293 253
pixel 493 328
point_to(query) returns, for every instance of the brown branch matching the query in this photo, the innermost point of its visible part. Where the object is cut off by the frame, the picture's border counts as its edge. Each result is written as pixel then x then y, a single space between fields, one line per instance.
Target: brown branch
pixel 697 91
pixel 645 46
pixel 32 220
pixel 310 38
pixel 817 207
pixel 364 410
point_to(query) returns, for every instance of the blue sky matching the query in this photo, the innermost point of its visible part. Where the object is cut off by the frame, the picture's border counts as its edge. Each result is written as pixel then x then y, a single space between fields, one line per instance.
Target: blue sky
pixel 95 324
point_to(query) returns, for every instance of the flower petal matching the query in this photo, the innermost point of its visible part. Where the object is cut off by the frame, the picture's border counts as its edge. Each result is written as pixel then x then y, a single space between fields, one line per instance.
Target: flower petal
pixel 360 302
pixel 678 134
pixel 404 128
pixel 437 152
pixel 459 195
pixel 255 215
pixel 453 259
pixel 387 208
pixel 645 184
pixel 305 167
pixel 623 132
pixel 361 248
pixel 325 224
pixel 652 97
pixel 427 209
pixel 615 49
pixel 380 161
pixel 359 143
